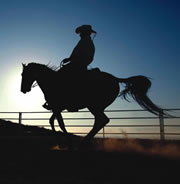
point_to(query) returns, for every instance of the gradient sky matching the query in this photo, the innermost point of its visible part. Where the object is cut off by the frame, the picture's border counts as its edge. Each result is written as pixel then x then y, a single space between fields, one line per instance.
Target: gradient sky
pixel 134 37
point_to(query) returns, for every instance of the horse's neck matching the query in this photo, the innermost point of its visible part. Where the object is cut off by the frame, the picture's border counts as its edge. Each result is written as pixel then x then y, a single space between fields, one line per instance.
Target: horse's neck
pixel 45 81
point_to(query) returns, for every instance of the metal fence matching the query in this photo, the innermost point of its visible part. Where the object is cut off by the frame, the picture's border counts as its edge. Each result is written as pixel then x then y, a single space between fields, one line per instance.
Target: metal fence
pixel 127 123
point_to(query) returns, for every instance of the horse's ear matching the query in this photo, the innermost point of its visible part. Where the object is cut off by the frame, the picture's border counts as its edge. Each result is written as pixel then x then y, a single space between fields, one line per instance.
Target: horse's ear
pixel 23 65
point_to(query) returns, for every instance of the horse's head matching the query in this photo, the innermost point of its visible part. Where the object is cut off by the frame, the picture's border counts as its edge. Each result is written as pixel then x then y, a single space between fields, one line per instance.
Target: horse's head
pixel 28 77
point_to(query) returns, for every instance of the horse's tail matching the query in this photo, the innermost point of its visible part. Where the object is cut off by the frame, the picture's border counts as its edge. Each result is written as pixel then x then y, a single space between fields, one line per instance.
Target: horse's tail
pixel 137 87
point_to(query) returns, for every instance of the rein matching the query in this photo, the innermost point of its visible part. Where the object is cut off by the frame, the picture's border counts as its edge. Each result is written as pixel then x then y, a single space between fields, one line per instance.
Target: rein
pixel 34 85
pixel 62 64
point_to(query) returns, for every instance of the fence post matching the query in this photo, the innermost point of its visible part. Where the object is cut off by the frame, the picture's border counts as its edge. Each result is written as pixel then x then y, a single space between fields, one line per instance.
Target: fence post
pixel 161 123
pixel 20 122
pixel 103 132
pixel 20 118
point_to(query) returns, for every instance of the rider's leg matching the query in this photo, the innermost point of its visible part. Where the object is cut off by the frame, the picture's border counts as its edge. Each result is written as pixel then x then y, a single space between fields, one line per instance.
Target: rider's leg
pixel 46 106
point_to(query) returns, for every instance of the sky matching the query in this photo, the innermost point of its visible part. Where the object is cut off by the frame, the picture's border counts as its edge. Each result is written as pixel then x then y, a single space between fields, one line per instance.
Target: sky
pixel 134 37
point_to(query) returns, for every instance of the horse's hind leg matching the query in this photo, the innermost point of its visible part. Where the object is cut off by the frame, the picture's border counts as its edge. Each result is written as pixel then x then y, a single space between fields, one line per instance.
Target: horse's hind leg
pixel 100 121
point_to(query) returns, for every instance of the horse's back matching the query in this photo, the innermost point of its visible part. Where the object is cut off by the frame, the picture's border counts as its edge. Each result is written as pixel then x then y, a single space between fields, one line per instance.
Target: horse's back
pixel 98 74
pixel 105 79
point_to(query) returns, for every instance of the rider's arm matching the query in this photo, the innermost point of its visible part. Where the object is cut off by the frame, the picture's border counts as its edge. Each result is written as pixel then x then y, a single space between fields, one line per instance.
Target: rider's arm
pixel 83 52
pixel 74 55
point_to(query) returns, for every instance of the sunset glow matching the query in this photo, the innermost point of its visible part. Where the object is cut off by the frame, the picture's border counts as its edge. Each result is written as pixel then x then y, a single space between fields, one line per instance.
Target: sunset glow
pixel 133 38
pixel 31 101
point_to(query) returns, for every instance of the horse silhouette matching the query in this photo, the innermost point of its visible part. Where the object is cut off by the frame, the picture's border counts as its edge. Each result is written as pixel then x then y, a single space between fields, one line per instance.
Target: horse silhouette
pixel 96 92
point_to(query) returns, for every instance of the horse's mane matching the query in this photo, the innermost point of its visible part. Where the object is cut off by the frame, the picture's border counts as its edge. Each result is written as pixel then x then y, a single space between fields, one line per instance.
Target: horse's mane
pixel 44 67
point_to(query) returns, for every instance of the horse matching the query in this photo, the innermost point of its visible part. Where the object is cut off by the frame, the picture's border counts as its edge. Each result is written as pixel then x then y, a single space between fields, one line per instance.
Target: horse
pixel 98 92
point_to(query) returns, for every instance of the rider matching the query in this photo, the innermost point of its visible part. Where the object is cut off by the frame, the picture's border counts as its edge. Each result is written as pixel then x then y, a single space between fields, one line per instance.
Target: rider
pixel 81 56
pixel 83 53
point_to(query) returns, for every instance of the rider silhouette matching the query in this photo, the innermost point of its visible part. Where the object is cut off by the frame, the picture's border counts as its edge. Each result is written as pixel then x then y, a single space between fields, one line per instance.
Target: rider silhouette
pixel 83 53
pixel 81 56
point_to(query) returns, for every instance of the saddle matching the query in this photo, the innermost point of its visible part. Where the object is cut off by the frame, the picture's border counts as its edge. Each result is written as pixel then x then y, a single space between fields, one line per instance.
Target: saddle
pixel 78 76
pixel 94 72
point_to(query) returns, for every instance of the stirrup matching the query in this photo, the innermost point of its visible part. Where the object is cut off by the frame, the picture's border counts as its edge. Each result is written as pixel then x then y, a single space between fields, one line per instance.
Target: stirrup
pixel 46 106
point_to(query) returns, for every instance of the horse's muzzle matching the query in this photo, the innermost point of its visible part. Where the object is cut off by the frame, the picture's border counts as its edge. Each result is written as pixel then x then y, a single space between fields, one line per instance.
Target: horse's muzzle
pixel 23 91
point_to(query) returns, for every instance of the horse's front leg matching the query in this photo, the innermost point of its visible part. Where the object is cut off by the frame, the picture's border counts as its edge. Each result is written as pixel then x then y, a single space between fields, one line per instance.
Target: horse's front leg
pixel 58 116
pixel 51 121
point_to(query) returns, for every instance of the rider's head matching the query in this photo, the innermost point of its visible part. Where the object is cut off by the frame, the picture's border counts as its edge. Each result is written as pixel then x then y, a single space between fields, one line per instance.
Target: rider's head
pixel 85 30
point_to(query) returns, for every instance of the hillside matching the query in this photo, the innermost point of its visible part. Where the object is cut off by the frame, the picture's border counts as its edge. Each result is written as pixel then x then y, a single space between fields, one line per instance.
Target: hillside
pixel 31 137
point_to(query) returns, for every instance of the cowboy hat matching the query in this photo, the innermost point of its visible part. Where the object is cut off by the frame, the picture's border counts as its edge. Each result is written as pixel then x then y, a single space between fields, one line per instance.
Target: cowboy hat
pixel 84 29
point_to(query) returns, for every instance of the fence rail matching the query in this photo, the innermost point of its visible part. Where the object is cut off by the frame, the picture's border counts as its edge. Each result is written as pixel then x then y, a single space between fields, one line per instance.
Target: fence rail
pixel 162 127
